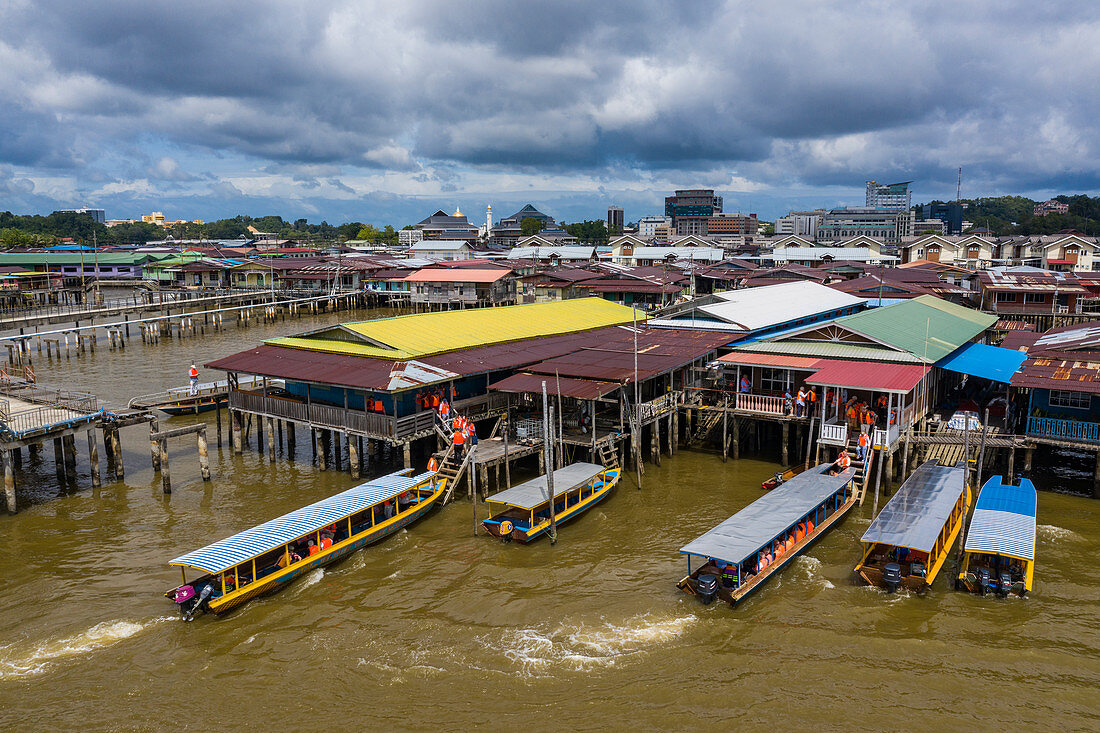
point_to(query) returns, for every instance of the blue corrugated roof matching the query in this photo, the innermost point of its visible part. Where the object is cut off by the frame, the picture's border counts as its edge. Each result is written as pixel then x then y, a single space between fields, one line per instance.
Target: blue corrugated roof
pixel 262 538
pixel 980 360
pixel 1004 520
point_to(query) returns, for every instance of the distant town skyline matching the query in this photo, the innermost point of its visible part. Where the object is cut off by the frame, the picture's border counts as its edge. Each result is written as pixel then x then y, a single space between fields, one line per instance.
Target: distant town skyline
pixel 360 111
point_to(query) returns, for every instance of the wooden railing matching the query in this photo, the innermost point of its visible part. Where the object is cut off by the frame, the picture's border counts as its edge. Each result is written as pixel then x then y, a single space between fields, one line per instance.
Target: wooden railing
pixel 765 404
pixel 886 438
pixel 834 433
pixel 374 425
pixel 655 408
pixel 1072 430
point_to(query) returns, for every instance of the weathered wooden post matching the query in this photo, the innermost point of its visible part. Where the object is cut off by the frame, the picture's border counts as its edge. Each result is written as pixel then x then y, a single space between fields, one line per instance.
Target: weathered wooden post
pixel 218 419
pixel 322 451
pixel 165 477
pixel 69 442
pixel 93 457
pixel 154 444
pixel 784 453
pixel 725 429
pixel 235 423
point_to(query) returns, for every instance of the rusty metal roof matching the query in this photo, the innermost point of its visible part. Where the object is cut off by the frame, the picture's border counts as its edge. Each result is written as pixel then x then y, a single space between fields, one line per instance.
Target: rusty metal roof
pixel 581 389
pixel 1074 376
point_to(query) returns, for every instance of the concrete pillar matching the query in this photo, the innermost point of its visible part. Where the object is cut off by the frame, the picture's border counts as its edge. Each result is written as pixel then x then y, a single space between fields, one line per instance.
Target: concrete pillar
pixel 735 442
pixel 407 455
pixel 9 481
pixel 322 450
pixel 93 457
pixel 270 439
pixel 154 445
pixel 785 443
pixel 353 456
pixel 1027 459
pixel 235 423
pixel 334 437
pixel 1011 462
pixel 656 441
pixel 889 469
pixel 204 455
pixel 290 440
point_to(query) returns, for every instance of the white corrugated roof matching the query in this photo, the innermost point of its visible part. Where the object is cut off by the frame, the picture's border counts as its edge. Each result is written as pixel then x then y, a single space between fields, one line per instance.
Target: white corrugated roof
pixel 859 254
pixel 771 305
pixel 564 252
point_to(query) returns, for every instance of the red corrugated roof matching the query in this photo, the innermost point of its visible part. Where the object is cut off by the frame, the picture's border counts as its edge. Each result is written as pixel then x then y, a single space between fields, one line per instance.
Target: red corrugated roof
pixel 774 360
pixel 581 389
pixel 873 375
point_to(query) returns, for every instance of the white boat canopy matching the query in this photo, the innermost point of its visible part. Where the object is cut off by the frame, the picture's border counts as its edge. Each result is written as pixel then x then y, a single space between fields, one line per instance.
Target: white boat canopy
pixel 530 494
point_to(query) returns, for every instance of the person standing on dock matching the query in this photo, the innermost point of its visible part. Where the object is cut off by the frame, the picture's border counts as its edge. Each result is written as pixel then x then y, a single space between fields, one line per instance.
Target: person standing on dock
pixel 800 403
pixel 193 376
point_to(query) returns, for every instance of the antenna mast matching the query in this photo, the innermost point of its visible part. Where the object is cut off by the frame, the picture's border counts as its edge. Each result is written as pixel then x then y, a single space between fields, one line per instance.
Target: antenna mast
pixel 959 186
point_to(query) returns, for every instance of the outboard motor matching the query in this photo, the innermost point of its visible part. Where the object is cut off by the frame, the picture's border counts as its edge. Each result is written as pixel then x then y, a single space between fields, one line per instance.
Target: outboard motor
pixel 985 583
pixel 891 576
pixel 1004 587
pixel 707 588
pixel 190 602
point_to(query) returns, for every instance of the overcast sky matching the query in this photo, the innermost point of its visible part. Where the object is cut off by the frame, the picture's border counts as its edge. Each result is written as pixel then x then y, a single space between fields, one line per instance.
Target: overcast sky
pixel 385 111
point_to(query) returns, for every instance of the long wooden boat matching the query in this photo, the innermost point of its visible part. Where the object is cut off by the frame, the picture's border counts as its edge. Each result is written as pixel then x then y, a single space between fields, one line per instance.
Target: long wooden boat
pixel 781 478
pixel 269 556
pixel 911 538
pixel 522 513
pixel 1000 543
pixel 741 553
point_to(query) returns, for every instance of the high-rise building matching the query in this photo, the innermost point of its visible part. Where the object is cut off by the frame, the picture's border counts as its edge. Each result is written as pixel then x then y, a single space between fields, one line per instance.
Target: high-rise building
pixel 894 196
pixel 98 215
pixel 740 228
pixel 951 214
pixel 692 209
pixel 615 219
pixel 799 223
pixel 886 225
pixel 647 225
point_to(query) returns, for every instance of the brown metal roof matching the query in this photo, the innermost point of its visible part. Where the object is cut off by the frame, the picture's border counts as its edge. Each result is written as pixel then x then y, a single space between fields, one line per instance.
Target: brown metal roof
pixel 1075 376
pixel 581 389
pixel 308 366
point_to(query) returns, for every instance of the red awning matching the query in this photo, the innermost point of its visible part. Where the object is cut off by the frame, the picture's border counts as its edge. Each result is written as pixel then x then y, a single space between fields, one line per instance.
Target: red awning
pixel 581 389
pixel 897 378
pixel 1061 262
pixel 774 360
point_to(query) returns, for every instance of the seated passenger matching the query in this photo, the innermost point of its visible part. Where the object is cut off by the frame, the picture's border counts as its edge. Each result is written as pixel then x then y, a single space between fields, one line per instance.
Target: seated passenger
pixel 313 548
pixel 326 540
pixel 841 464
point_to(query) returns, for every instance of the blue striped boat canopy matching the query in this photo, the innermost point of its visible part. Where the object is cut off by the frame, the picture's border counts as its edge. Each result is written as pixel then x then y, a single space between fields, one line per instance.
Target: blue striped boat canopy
pixel 268 536
pixel 1004 520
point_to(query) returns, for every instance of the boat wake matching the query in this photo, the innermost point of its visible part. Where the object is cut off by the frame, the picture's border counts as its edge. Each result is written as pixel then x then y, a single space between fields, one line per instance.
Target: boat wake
pixel 47 653
pixel 311 578
pixel 1051 533
pixel 537 651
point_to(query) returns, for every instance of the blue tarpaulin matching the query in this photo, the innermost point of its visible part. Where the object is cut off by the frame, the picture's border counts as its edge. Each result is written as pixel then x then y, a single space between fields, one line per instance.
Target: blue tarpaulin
pixel 980 360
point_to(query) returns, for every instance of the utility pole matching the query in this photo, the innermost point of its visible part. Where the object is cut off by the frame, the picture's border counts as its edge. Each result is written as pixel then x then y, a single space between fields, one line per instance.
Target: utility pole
pixel 548 450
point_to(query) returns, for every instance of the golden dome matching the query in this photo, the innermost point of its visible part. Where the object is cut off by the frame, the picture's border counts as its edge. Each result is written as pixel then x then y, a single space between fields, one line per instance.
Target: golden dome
pixel 458 212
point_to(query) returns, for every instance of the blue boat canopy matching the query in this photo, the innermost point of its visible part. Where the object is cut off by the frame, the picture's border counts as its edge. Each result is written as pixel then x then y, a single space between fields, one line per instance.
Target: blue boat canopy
pixel 917 513
pixel 1004 520
pixel 750 529
pixel 981 360
pixel 262 538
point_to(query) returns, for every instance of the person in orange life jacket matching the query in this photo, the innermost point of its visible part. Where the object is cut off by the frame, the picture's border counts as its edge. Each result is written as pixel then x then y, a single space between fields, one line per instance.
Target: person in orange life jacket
pixel 800 402
pixel 326 540
pixel 471 433
pixel 853 417
pixel 387 508
pixel 811 398
pixel 787 402
pixel 458 441
pixel 313 548
pixel 841 464
pixel 435 400
pixel 433 464
pixel 869 417
pixel 193 376
pixel 861 446
pixel 881 402
pixel 893 415
pixel 746 384
pixel 444 411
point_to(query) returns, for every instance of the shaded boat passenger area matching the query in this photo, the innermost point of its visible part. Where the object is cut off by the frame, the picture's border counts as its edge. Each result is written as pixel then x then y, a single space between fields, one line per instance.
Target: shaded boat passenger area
pixel 1000 543
pixel 745 550
pixel 522 512
pixel 267 556
pixel 909 540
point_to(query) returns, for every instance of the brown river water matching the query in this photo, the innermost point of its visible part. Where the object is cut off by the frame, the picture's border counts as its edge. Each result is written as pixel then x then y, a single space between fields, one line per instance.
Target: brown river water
pixel 434 629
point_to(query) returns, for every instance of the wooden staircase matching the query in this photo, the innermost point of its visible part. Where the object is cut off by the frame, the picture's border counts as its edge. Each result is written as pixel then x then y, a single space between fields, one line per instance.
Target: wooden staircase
pixel 705 427
pixel 609 457
pixel 863 470
pixel 452 470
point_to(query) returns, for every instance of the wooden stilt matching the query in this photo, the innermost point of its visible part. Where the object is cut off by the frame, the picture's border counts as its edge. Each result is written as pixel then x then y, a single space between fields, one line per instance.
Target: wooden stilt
pixel 9 482
pixel 270 439
pixel 165 474
pixel 204 455
pixel 353 455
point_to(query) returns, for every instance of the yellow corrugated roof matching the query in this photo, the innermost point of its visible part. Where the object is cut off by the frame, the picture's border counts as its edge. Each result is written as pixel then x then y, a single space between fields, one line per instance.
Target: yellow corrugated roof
pixel 424 334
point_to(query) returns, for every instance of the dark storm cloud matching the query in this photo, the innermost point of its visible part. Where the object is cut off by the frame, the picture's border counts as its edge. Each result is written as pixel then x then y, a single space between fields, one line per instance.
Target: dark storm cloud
pixel 806 92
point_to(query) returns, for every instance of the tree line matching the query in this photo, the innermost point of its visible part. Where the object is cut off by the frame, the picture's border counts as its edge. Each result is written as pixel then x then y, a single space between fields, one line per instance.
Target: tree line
pixel 36 230
pixel 1008 215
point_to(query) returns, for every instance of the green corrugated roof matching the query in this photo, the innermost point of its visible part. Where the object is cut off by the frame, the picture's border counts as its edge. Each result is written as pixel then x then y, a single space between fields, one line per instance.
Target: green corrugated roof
pixel 927 327
pixel 830 350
